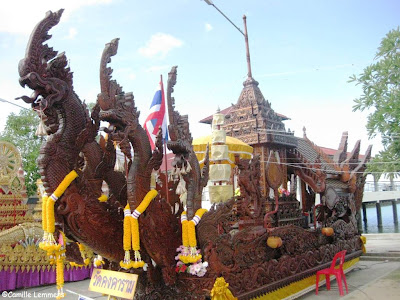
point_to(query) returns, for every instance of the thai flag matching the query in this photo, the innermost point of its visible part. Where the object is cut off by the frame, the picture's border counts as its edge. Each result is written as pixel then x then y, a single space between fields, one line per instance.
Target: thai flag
pixel 157 117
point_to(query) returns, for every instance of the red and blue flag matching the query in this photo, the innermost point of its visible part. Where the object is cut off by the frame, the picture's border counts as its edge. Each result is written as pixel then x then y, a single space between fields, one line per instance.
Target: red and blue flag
pixel 157 117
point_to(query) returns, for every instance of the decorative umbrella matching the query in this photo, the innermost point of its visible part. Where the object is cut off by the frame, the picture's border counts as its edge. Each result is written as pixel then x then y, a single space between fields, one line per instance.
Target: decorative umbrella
pixel 223 149
pixel 235 146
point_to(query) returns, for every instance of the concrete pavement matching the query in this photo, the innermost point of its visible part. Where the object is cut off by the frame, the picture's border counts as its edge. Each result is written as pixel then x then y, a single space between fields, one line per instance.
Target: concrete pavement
pixel 375 277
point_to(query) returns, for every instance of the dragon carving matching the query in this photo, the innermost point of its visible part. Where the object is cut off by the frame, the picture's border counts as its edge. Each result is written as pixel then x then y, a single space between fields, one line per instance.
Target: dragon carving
pixel 239 254
pixel 67 123
pixel 118 108
pixel 71 145
pixel 185 159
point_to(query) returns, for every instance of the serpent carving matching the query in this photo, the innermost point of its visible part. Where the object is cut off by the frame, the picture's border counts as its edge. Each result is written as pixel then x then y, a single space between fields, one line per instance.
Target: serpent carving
pixel 231 236
pixel 185 158
pixel 66 119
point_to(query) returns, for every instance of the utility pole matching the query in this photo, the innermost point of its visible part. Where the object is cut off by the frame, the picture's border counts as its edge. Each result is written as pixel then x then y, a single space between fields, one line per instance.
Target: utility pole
pixel 245 34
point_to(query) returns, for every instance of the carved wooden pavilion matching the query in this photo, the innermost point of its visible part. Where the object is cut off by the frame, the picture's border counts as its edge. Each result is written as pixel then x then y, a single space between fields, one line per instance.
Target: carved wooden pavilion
pixel 285 158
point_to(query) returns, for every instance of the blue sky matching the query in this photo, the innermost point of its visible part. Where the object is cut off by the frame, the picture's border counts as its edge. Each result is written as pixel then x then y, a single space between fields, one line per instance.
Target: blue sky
pixel 302 54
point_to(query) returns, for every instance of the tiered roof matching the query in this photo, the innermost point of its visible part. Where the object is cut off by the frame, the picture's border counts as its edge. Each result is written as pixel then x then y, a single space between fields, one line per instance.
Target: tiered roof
pixel 253 120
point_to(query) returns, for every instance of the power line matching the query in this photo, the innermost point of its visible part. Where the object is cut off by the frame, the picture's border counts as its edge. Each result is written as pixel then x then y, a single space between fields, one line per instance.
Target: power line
pixel 5 101
pixel 324 170
pixel 355 163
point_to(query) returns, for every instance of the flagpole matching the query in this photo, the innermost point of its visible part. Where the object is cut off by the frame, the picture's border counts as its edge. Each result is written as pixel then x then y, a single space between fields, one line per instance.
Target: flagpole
pixel 166 171
pixel 165 144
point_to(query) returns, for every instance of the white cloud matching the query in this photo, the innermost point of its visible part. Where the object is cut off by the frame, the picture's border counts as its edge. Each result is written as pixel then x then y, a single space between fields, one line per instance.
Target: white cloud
pixel 159 45
pixel 208 27
pixel 20 16
pixel 132 76
pixel 71 33
pixel 157 68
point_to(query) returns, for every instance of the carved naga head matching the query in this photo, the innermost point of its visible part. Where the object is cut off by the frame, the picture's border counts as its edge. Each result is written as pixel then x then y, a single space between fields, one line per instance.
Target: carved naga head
pixel 43 69
pixel 116 106
pixel 180 142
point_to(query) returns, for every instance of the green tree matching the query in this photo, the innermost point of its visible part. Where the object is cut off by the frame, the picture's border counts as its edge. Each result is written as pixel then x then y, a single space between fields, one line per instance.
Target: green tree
pixel 380 83
pixel 20 130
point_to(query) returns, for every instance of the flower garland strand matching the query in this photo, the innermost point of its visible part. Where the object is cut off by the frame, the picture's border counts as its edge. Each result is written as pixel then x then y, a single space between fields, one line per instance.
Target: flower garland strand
pixel 138 263
pixel 189 241
pixel 49 244
pixel 131 232
pixel 86 261
pixel 184 256
pixel 65 184
pixel 55 251
pixel 192 234
pixel 43 243
pixel 82 248
pixel 60 258
pixel 126 263
pixel 60 278
pixel 52 244
pixel 185 233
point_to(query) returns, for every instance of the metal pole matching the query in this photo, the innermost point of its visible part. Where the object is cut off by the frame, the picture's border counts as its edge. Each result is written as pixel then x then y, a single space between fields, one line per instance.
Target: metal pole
pixel 246 39
pixel 379 214
pixel 364 209
pixel 394 206
pixel 165 144
pixel 5 101
pixel 210 3
pixel 359 222
pixel 166 170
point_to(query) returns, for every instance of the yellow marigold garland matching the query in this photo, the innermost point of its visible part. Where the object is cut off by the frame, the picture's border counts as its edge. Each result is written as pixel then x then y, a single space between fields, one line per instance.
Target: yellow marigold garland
pixel 190 254
pixel 43 244
pixel 60 254
pixel 50 245
pixel 65 183
pixel 60 278
pixel 138 263
pixel 146 201
pixel 131 232
pixel 50 220
pixel 185 233
pixel 55 251
pixel 86 261
pixel 126 263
